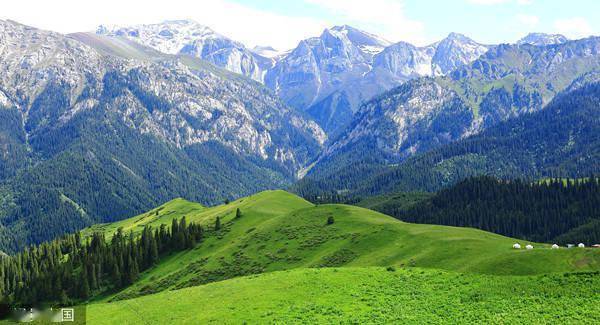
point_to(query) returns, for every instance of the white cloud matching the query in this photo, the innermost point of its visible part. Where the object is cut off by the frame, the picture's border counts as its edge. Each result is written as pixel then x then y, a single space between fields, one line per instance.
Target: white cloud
pixel 487 2
pixel 528 20
pixel 383 17
pixel 496 2
pixel 248 25
pixel 576 27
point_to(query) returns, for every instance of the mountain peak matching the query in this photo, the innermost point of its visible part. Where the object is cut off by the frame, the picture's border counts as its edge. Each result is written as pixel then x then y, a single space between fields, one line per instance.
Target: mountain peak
pixel 542 39
pixel 457 37
pixel 360 37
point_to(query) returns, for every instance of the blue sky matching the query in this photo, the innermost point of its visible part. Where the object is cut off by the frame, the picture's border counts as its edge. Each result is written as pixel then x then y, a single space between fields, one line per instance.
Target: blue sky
pixel 282 23
pixel 489 21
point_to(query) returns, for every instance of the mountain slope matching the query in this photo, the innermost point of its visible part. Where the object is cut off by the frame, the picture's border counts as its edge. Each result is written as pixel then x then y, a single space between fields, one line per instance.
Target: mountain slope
pixel 560 141
pixel 278 230
pixel 321 295
pixel 102 129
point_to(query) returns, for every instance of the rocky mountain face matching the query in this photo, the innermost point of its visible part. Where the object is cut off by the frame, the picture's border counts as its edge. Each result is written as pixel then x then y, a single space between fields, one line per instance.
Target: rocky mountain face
pixel 103 128
pixel 349 66
pixel 541 39
pixel 191 38
pixel 403 61
pixel 321 65
pixel 505 82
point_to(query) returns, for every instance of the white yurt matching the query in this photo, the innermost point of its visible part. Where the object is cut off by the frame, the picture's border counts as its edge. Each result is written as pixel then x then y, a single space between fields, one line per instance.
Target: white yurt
pixel 554 246
pixel 517 246
pixel 581 245
pixel 529 247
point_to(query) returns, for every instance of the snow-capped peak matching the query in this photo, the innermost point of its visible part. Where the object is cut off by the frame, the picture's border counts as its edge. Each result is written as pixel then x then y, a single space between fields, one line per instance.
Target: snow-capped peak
pixel 366 42
pixel 169 36
pixel 541 39
pixel 361 37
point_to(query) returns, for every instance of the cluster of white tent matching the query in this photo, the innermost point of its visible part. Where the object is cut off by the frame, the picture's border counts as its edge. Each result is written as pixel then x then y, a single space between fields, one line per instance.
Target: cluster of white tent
pixel 554 246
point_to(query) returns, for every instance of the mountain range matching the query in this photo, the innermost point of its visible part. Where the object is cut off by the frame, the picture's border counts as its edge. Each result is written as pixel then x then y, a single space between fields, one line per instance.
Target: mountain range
pixel 426 113
pixel 103 125
pixel 328 76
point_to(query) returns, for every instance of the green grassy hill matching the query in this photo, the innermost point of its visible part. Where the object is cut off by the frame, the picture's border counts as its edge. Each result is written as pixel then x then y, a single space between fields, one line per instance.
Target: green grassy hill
pixel 367 295
pixel 279 231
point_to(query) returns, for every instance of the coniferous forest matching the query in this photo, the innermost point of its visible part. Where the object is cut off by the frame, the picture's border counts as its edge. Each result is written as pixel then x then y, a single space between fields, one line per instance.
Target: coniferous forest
pixel 565 211
pixel 72 269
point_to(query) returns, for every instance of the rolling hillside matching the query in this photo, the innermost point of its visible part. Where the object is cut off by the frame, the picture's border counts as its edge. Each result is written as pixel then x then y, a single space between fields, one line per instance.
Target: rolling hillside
pixel 279 231
pixel 366 295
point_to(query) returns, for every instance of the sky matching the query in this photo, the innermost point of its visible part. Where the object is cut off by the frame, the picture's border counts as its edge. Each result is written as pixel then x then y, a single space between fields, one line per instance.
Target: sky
pixel 283 23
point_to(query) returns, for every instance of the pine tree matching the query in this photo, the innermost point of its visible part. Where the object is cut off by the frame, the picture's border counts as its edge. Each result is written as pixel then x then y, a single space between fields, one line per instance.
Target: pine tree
pixel 116 276
pixel 92 277
pixel 84 286
pixel 153 251
pixel 218 224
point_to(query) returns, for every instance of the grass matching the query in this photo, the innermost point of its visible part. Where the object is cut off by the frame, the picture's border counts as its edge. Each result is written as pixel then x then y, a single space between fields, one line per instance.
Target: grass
pixel 367 295
pixel 280 231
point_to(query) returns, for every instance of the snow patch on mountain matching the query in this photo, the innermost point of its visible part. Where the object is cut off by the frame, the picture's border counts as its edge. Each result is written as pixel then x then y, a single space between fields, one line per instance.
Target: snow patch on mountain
pixel 168 37
pixel 191 38
pixel 4 101
pixel 267 51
